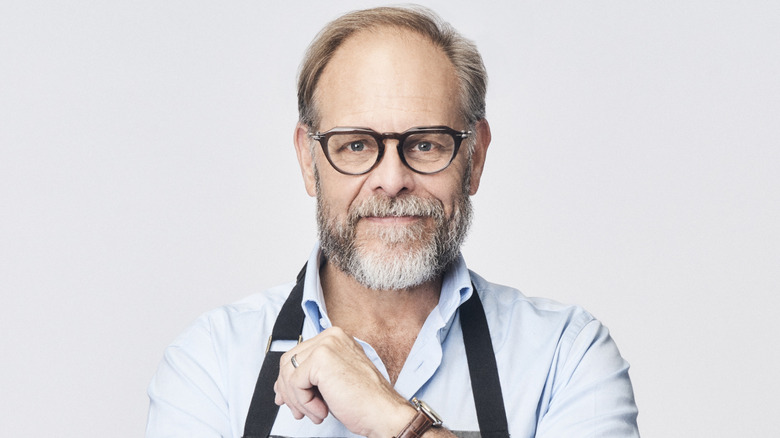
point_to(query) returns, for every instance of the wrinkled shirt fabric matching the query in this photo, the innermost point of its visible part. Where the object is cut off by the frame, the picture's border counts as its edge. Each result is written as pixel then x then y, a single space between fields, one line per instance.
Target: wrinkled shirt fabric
pixel 561 373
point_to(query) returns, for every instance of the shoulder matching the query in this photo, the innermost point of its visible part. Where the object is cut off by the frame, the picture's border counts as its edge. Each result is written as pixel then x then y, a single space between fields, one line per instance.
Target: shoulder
pixel 208 370
pixel 218 341
pixel 504 302
pixel 547 350
pixel 249 316
pixel 538 322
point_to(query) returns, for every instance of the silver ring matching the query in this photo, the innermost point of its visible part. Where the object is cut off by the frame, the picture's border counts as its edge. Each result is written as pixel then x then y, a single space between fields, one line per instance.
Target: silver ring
pixel 294 361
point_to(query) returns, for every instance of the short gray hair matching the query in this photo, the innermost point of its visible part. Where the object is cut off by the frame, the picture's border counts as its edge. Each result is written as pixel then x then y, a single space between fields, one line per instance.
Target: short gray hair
pixel 463 54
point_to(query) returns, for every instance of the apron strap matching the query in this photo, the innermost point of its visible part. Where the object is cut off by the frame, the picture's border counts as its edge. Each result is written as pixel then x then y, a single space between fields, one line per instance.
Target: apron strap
pixel 481 359
pixel 483 370
pixel 288 326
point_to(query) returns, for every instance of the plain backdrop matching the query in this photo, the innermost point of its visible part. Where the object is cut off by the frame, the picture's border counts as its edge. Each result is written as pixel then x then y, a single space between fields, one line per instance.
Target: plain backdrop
pixel 147 175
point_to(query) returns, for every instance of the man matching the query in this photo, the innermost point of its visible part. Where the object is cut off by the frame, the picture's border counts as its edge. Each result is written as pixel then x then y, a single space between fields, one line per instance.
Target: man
pixel 392 140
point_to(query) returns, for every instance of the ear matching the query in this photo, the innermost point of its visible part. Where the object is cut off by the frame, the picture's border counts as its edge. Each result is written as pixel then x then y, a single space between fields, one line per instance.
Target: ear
pixel 480 151
pixel 305 158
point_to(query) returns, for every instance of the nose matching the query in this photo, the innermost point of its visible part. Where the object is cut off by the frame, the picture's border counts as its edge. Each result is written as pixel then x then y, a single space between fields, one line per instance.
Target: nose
pixel 391 176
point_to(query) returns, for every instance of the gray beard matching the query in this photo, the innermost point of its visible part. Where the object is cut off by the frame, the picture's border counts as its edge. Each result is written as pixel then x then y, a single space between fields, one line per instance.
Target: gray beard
pixel 410 255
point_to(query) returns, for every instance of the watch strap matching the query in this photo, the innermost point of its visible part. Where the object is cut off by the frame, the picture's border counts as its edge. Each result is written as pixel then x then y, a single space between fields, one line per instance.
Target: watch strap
pixel 418 426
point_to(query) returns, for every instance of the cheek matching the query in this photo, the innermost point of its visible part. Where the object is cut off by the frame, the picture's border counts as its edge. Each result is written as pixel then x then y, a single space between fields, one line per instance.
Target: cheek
pixel 452 193
pixel 338 192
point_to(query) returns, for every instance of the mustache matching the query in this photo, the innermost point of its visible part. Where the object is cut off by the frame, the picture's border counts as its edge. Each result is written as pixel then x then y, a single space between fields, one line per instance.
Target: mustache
pixel 384 206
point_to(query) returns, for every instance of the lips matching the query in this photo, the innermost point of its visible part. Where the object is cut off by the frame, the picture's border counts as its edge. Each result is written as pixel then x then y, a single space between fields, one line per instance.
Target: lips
pixel 393 219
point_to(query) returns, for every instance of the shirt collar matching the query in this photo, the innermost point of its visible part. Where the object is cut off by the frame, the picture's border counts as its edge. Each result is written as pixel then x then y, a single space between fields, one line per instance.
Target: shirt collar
pixel 313 303
pixel 456 289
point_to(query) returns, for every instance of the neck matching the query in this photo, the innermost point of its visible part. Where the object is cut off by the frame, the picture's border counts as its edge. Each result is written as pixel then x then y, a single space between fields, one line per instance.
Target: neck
pixel 389 320
pixel 347 300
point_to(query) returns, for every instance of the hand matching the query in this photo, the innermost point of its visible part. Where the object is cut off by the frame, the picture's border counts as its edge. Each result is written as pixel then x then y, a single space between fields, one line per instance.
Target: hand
pixel 335 375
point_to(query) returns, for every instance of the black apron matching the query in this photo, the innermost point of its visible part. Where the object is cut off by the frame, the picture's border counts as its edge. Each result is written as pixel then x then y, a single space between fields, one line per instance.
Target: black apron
pixel 481 359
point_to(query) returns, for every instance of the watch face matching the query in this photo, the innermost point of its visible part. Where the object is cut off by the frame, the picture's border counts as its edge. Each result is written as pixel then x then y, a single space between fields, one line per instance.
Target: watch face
pixel 428 411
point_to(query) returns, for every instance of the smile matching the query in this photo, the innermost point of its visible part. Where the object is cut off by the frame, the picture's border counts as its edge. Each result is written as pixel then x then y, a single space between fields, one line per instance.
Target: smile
pixel 392 220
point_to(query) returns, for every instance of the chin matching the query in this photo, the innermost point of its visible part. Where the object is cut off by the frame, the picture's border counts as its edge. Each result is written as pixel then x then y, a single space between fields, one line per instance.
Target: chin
pixel 395 266
pixel 395 236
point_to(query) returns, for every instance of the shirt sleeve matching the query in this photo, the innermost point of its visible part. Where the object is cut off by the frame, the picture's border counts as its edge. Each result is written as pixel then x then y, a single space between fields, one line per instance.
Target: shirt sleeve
pixel 591 390
pixel 186 397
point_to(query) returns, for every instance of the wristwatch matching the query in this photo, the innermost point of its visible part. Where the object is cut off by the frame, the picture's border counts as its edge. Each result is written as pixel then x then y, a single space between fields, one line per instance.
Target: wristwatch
pixel 422 421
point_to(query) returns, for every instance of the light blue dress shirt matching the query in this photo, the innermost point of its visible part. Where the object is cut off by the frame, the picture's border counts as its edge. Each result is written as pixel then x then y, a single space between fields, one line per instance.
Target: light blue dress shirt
pixel 561 373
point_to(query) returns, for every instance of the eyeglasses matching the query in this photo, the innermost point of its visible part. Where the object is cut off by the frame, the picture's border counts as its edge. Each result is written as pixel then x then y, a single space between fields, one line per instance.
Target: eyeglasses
pixel 356 151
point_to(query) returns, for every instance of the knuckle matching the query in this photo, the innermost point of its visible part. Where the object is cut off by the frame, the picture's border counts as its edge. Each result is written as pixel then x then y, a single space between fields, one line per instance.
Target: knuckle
pixel 336 331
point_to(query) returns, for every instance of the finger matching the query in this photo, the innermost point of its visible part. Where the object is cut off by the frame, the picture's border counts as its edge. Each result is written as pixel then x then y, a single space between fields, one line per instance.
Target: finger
pixel 302 402
pixel 293 387
pixel 302 394
pixel 293 357
pixel 312 405
pixel 281 399
pixel 278 398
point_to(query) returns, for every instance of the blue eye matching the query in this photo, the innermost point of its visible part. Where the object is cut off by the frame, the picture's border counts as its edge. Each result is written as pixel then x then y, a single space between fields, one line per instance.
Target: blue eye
pixel 356 146
pixel 424 146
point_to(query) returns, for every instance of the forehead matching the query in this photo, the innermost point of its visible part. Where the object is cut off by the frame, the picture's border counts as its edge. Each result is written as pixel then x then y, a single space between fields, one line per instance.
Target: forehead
pixel 388 79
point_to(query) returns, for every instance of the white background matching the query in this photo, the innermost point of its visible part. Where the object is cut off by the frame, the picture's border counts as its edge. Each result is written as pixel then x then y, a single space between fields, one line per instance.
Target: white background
pixel 147 175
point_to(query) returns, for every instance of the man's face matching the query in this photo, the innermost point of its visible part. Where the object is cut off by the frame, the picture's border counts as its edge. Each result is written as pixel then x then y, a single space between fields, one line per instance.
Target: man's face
pixel 391 228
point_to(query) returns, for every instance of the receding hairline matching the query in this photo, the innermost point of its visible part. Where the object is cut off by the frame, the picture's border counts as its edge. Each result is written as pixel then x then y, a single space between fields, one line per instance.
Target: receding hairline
pixel 461 54
pixel 414 38
pixel 402 31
